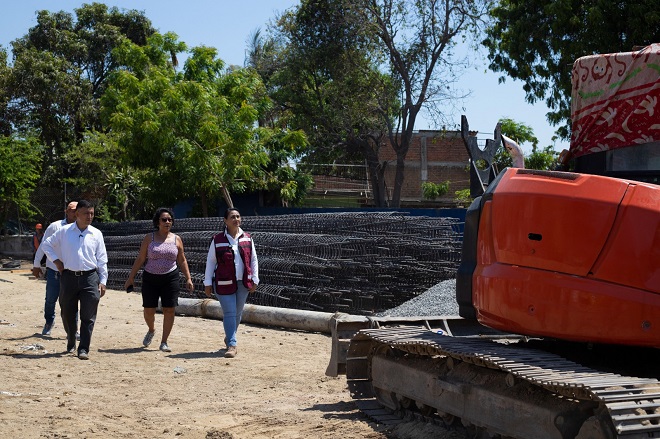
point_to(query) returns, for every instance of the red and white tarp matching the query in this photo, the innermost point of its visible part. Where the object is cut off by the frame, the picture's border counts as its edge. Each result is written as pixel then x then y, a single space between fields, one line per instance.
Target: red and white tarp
pixel 615 100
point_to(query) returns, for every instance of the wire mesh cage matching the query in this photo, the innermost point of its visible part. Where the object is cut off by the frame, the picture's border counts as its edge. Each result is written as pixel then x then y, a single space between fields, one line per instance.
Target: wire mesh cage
pixel 355 262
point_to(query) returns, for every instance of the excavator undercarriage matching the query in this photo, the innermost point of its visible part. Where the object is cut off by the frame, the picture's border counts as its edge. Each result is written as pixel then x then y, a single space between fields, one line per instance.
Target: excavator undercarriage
pixel 497 387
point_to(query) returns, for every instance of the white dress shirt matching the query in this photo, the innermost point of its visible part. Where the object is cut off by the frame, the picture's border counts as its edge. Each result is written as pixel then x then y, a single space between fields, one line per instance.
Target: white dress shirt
pixel 212 261
pixel 52 228
pixel 79 250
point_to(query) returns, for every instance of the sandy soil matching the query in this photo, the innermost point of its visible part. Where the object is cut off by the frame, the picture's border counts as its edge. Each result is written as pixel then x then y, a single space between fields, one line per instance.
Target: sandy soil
pixel 274 388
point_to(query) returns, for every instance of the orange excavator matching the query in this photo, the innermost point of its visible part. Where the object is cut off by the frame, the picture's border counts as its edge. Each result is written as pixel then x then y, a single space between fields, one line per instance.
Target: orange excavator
pixel 568 260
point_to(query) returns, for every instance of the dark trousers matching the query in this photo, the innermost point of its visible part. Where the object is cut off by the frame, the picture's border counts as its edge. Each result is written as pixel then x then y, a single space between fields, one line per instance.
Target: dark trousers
pixel 83 289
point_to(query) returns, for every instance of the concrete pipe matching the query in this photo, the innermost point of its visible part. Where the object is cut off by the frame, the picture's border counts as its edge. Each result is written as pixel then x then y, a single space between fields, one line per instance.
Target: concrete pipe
pixel 311 321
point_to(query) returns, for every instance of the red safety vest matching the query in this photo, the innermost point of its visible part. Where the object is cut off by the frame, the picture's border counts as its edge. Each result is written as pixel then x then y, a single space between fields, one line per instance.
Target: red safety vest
pixel 225 271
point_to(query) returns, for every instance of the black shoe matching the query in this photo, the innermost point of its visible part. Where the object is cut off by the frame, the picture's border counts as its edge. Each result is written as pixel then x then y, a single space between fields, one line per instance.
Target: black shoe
pixel 83 355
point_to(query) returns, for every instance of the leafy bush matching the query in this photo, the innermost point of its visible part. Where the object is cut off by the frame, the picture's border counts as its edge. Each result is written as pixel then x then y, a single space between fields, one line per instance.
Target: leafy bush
pixel 463 197
pixel 431 191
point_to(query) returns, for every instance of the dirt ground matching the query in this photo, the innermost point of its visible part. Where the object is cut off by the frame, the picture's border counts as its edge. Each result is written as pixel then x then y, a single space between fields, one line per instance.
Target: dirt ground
pixel 275 388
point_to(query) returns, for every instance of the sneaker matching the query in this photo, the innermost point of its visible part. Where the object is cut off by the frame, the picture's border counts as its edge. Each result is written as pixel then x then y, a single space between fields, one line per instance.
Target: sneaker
pixel 231 352
pixel 47 329
pixel 71 349
pixel 78 336
pixel 147 338
pixel 83 355
pixel 164 347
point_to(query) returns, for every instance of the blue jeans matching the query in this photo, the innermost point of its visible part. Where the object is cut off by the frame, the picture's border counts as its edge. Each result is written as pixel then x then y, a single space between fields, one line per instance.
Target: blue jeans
pixel 52 293
pixel 232 310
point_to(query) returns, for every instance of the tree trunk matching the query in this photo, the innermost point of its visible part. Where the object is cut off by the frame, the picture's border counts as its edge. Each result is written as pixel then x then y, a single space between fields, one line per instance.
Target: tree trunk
pixel 227 196
pixel 401 151
pixel 370 147
pixel 377 179
pixel 398 180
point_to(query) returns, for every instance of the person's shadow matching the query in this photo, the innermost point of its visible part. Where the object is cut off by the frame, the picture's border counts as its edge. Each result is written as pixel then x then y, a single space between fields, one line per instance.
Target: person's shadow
pixel 37 335
pixel 26 356
pixel 122 351
pixel 197 355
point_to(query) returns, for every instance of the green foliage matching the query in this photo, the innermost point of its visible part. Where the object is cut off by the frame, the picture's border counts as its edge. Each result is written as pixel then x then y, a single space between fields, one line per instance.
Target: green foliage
pixel 351 73
pixel 285 184
pixel 545 159
pixel 431 190
pixel 502 159
pixel 195 133
pixel 98 160
pixel 536 41
pixel 60 72
pixel 518 131
pixel 463 197
pixel 19 172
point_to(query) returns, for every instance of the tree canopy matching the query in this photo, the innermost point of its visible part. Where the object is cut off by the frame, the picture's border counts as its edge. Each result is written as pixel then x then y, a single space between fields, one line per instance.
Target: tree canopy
pixel 19 172
pixel 364 69
pixel 60 71
pixel 328 84
pixel 540 158
pixel 195 130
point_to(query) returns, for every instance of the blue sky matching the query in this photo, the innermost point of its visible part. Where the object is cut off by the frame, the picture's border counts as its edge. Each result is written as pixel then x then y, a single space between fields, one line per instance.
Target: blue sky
pixel 228 24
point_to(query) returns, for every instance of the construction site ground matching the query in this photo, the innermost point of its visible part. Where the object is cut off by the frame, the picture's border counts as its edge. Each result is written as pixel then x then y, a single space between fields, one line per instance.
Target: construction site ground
pixel 275 388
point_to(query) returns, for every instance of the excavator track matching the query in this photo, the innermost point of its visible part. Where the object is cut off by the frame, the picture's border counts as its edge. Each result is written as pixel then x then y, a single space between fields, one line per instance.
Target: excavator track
pixel 502 390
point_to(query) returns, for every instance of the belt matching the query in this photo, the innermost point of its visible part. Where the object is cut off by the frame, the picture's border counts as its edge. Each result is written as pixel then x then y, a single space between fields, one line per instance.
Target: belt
pixel 78 273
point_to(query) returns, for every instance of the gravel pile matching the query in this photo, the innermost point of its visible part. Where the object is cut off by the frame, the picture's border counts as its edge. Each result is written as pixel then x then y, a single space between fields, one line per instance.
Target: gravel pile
pixel 439 300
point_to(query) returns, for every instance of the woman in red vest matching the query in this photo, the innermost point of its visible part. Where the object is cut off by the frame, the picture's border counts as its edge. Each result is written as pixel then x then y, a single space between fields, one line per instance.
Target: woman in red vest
pixel 232 272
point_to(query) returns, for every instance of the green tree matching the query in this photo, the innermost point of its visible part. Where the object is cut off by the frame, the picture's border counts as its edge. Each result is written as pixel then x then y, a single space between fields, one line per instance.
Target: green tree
pixel 417 38
pixel 365 69
pixel 542 159
pixel 103 172
pixel 5 119
pixel 327 82
pixel 285 185
pixel 537 41
pixel 60 71
pixel 19 172
pixel 195 131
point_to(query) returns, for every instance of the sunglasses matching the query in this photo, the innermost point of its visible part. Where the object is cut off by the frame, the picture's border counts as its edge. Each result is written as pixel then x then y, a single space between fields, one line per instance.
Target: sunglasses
pixel 166 220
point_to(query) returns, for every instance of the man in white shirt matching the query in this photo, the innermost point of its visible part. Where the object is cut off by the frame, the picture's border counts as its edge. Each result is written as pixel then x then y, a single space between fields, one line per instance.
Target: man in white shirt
pixel 52 275
pixel 78 252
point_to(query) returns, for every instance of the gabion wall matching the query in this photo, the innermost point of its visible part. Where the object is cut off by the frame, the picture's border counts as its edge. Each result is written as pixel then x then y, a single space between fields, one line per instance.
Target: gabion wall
pixel 359 263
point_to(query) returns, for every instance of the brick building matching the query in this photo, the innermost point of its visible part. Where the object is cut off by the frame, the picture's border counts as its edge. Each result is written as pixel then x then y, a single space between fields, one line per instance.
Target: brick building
pixel 434 156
